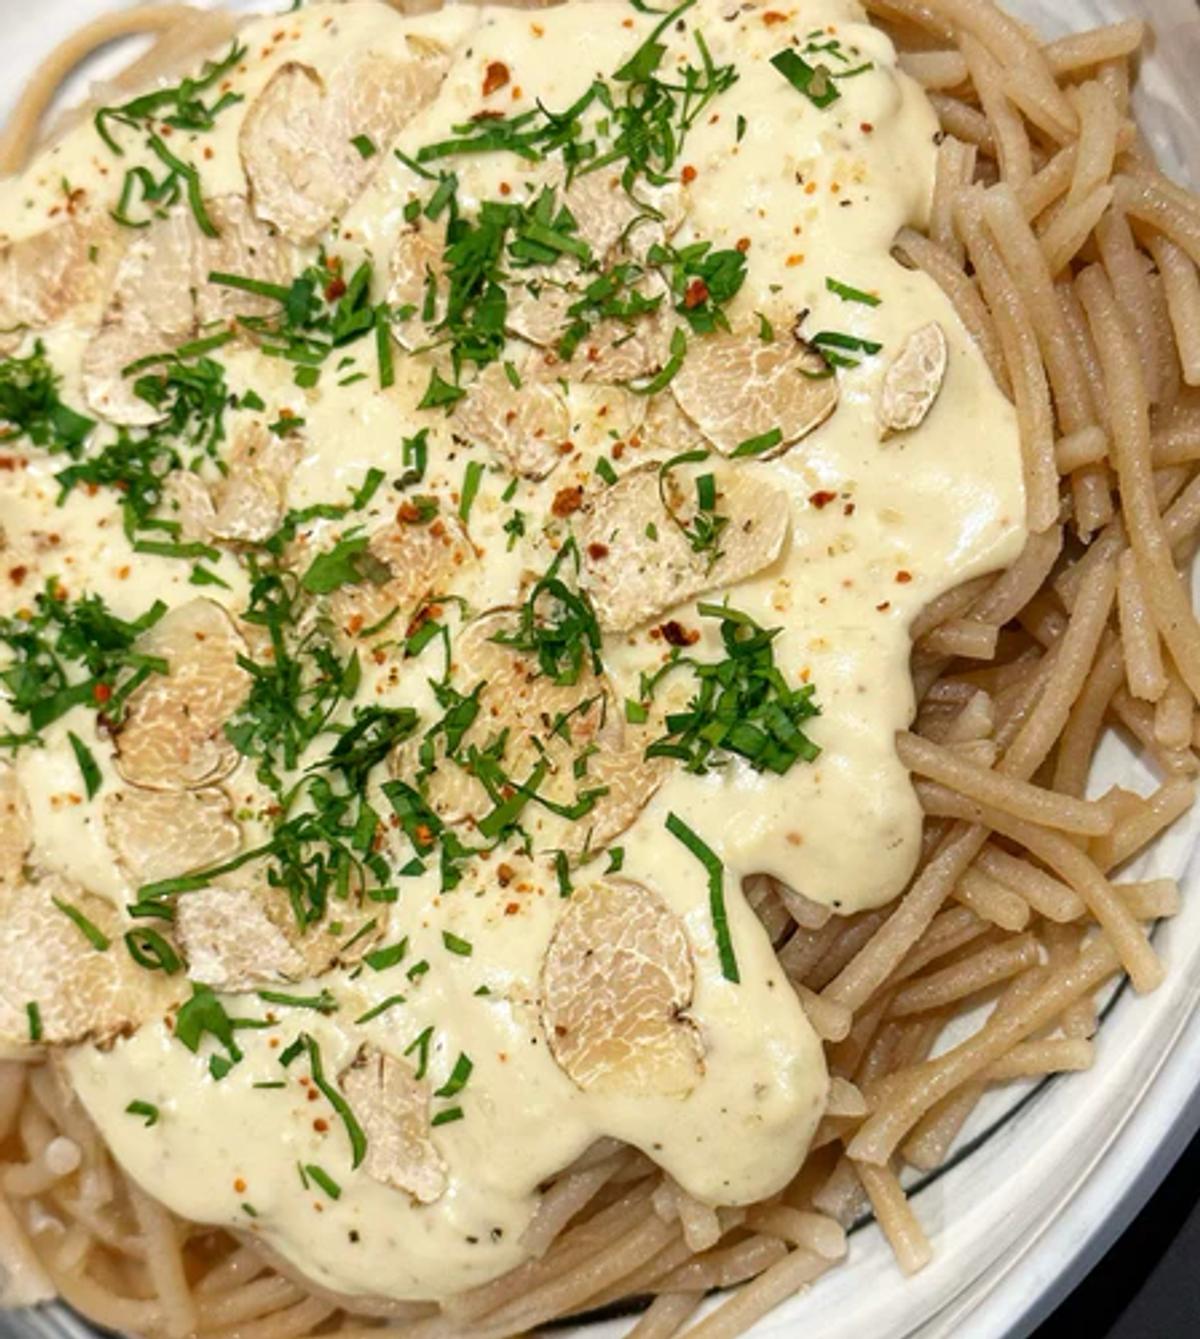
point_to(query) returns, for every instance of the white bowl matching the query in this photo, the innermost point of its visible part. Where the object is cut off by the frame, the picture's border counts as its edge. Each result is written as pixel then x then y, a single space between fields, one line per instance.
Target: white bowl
pixel 1046 1176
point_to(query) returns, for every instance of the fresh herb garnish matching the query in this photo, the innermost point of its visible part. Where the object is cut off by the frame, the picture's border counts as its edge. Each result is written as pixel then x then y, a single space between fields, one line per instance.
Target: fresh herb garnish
pixel 89 769
pixel 147 1110
pixel 716 892
pixel 30 406
pixel 814 81
pixel 557 625
pixel 742 705
pixel 849 294
pixel 72 653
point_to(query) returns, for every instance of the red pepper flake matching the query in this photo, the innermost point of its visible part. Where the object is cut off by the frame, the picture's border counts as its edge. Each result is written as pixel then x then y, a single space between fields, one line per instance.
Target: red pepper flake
pixel 494 77
pixel 505 874
pixel 866 127
pixel 408 513
pixel 822 498
pixel 567 500
pixel 596 551
pixel 488 114
pixel 102 692
pixel 505 188
pixel 796 258
pixel 240 1186
pixel 675 634
pixel 742 244
pixel 321 1125
pixel 772 17
pixel 903 577
pixel 512 908
pixel 424 834
pixel 313 1094
pixel 17 574
pixel 884 607
pixel 848 509
pixel 697 292
pixel 688 174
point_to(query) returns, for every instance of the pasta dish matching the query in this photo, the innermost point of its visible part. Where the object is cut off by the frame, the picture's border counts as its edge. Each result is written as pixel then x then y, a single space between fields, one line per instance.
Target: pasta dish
pixel 564 569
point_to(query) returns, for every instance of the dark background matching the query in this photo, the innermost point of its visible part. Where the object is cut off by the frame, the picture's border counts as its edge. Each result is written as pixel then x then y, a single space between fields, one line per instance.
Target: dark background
pixel 1148 1285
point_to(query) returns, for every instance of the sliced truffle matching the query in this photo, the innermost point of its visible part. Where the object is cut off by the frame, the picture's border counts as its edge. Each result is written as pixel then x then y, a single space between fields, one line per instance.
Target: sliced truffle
pixel 161 293
pixel 416 257
pixel 571 734
pixel 16 832
pixel 737 388
pixel 914 380
pixel 159 834
pixel 613 222
pixel 616 984
pixel 173 735
pixel 243 246
pixel 46 275
pixel 392 1106
pixel 81 992
pixel 413 560
pixel 539 301
pixel 638 563
pixel 239 937
pixel 526 427
pixel 250 500
pixel 151 309
pixel 297 139
pixel 666 430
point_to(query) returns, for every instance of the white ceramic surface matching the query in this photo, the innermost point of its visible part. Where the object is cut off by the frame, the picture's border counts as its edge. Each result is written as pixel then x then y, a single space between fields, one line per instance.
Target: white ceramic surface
pixel 1045 1179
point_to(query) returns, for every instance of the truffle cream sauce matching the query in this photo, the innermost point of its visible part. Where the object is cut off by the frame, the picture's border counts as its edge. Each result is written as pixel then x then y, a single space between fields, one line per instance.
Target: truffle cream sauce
pixel 813 194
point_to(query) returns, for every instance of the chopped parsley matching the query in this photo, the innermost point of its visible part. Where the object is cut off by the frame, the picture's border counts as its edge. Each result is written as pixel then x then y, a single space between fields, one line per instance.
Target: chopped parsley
pixel 462 947
pixel 89 769
pixel 716 893
pixel 743 705
pixel 70 653
pixel 31 409
pixel 147 1110
pixel 458 1077
pixel 849 294
pixel 557 625
pixel 814 81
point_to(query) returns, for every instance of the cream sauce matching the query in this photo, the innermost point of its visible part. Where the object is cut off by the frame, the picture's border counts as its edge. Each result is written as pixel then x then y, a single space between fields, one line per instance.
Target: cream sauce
pixel 816 194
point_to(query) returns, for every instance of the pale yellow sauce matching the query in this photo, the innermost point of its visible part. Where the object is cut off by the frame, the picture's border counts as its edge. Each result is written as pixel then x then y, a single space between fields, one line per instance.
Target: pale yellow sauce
pixel 817 193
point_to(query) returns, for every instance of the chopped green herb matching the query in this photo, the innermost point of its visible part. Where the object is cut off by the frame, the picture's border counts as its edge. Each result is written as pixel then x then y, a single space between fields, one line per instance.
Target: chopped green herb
pixel 92 933
pixel 458 1077
pixel 324 1003
pixel 324 1180
pixel 447 1116
pixel 420 1044
pixel 364 145
pixel 716 892
pixel 470 489
pixel 358 1140
pixel 88 767
pixel 150 950
pixel 34 1014
pixel 147 1110
pixel 383 958
pixel 848 294
pixel 30 406
pixel 380 1008
pixel 605 470
pixel 463 947
pixel 755 446
pixel 815 82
